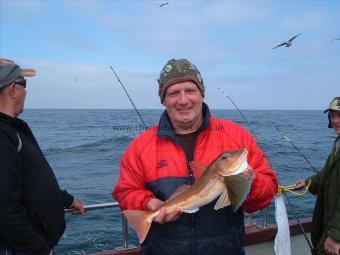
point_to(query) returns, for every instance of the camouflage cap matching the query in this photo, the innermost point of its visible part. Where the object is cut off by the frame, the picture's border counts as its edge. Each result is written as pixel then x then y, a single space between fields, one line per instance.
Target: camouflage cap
pixel 176 71
pixel 9 72
pixel 334 105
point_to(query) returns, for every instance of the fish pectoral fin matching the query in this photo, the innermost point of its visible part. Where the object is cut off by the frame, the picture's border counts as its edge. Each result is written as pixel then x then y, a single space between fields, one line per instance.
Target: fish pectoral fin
pixel 223 201
pixel 179 191
pixel 238 187
pixel 193 210
pixel 197 168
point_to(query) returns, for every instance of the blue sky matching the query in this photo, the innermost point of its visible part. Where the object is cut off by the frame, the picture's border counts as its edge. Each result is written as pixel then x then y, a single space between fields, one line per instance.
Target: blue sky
pixel 71 44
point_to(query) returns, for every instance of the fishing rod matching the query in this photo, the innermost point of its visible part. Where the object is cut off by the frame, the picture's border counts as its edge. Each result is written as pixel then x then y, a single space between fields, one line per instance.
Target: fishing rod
pixel 296 148
pixel 284 194
pixel 238 109
pixel 95 207
pixel 140 117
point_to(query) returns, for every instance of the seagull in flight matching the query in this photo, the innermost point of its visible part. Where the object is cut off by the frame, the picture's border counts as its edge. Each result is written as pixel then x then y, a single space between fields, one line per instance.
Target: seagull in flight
pixel 288 43
pixel 163 4
pixel 337 38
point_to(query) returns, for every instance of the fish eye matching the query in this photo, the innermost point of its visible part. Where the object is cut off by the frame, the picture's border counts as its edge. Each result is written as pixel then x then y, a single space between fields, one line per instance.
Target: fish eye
pixel 224 156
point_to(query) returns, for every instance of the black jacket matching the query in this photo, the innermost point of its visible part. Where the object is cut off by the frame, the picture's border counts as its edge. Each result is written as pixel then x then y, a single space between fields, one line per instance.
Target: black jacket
pixel 31 202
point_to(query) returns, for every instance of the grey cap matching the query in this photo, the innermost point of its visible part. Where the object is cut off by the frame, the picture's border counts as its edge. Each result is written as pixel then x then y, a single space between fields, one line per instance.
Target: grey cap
pixel 9 72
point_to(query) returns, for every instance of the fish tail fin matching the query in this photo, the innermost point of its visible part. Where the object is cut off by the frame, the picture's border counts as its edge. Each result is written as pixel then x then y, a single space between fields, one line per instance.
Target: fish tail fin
pixel 140 221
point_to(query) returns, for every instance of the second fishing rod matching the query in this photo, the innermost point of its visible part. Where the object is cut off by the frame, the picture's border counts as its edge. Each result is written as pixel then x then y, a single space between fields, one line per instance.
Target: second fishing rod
pixel 283 193
pixel 127 94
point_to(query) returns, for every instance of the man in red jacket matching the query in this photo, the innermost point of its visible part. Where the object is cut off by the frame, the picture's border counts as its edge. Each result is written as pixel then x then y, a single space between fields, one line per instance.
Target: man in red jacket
pixel 157 162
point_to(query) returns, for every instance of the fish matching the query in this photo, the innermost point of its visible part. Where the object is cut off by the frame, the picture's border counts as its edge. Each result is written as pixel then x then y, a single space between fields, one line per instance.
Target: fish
pixel 227 177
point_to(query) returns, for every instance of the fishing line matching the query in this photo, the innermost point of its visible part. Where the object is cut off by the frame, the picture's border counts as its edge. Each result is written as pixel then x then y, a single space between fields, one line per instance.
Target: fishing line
pixel 243 116
pixel 284 194
pixel 296 148
pixel 140 117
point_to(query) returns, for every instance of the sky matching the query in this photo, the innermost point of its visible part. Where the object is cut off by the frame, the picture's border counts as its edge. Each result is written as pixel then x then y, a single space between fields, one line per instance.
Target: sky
pixel 71 45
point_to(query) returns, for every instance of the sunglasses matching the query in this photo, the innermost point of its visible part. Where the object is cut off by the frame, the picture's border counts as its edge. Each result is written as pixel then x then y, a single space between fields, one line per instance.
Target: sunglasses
pixel 21 82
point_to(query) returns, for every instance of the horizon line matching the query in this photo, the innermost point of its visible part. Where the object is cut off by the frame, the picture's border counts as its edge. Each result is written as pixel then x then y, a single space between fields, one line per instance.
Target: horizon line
pixel 229 109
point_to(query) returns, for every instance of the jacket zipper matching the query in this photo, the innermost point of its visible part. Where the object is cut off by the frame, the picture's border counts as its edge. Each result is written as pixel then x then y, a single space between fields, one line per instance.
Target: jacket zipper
pixel 191 182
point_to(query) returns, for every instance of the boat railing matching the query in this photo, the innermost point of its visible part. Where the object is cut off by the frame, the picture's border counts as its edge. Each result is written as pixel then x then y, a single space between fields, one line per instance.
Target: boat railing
pixel 127 246
pixel 249 218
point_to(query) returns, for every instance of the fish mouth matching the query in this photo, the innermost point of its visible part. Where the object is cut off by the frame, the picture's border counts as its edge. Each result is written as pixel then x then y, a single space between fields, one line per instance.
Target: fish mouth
pixel 243 164
pixel 244 155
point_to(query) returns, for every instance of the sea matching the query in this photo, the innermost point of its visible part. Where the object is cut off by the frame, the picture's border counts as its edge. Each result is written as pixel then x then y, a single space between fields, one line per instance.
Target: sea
pixel 84 148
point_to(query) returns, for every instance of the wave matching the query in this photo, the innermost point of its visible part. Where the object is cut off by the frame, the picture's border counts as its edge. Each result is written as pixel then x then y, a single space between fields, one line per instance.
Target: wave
pixel 101 142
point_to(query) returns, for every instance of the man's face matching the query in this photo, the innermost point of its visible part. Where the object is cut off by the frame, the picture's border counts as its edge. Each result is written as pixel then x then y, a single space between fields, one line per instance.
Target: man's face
pixel 335 121
pixel 20 95
pixel 183 102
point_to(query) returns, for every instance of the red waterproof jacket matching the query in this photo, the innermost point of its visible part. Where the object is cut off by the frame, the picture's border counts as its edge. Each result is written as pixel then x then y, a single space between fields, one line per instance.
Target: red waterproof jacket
pixel 155 164
pixel 150 158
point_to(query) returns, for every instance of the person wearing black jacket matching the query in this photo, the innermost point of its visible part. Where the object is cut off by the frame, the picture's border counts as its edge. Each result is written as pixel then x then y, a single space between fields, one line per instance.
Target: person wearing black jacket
pixel 31 202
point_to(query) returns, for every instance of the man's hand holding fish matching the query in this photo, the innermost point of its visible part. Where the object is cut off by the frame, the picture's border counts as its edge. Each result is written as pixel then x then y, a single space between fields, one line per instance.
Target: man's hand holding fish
pixel 163 216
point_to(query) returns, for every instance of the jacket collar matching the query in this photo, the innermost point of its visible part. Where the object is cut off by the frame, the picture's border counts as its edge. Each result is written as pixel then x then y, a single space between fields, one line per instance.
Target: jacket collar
pixel 11 121
pixel 165 128
pixel 337 145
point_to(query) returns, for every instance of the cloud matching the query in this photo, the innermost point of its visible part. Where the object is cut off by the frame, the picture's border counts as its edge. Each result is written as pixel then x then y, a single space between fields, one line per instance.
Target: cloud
pixel 21 11
pixel 88 86
pixel 309 20
pixel 73 41
pixel 235 12
pixel 229 41
pixel 301 88
pixel 185 28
